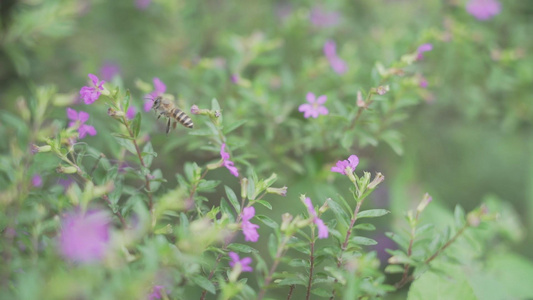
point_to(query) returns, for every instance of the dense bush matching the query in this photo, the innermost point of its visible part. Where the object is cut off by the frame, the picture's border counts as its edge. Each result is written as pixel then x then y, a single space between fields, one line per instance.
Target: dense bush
pixel 318 129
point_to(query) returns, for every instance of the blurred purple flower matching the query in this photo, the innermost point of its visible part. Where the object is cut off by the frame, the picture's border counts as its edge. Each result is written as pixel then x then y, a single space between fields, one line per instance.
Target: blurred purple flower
pixel 89 94
pixel 483 9
pixel 423 48
pixel 109 70
pixel 341 166
pixel 423 83
pixel 156 292
pixel 228 163
pixel 249 229
pixel 235 78
pixel 65 183
pixel 322 228
pixel 85 236
pixel 159 89
pixel 78 120
pixel 330 49
pixel 314 108
pixel 142 5
pixel 337 64
pixel 194 109
pixel 322 18
pixel 37 180
pixel 244 262
pixel 130 114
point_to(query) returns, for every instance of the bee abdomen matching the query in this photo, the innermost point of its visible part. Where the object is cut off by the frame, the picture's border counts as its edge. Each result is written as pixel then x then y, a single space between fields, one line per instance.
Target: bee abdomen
pixel 182 117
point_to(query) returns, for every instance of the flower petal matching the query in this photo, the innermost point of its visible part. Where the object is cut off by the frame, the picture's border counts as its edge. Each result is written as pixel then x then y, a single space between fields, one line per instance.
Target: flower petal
pixel 322 110
pixel 310 97
pixel 330 49
pixel 159 86
pixel 94 79
pixel 322 99
pixel 72 114
pixel 305 107
pixel 83 117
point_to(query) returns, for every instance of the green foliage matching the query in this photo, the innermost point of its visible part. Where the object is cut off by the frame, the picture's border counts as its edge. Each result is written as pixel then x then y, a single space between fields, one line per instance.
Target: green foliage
pixel 178 206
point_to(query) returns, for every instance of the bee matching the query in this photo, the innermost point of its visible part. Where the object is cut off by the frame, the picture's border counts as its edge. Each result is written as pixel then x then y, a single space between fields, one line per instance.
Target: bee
pixel 166 108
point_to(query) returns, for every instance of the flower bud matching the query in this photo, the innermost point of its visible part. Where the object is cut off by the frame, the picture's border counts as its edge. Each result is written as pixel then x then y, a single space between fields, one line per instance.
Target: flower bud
pixel 286 219
pixel 195 110
pixel 425 201
pixel 382 89
pixel 324 207
pixel 37 149
pixel 360 101
pixel 66 170
pixel 377 180
pixel 279 191
pixel 22 107
pixel 215 165
pixel 244 188
pixel 115 114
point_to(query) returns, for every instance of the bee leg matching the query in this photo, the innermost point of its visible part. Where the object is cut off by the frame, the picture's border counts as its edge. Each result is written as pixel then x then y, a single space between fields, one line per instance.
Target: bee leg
pixel 168 126
pixel 174 124
pixel 160 114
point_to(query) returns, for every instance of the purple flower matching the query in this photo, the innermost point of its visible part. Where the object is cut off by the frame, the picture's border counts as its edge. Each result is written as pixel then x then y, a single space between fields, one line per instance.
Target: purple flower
pixel 249 229
pixel 65 183
pixel 78 120
pixel 228 163
pixel 36 180
pixel 159 89
pixel 156 292
pixel 314 108
pixel 195 110
pixel 142 5
pixel 423 83
pixel 483 9
pixel 423 48
pixel 85 236
pixel 130 114
pixel 244 262
pixel 89 94
pixel 341 166
pixel 109 70
pixel 322 18
pixel 322 228
pixel 337 64
pixel 235 78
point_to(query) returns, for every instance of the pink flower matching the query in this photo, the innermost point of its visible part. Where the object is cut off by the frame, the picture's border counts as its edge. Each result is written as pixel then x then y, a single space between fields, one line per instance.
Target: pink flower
pixel 195 110
pixel 142 5
pixel 423 48
pixel 244 262
pixel 85 236
pixel 249 229
pixel 322 18
pixel 235 78
pixel 322 228
pixel 341 166
pixel 156 292
pixel 89 94
pixel 130 114
pixel 109 70
pixel 228 163
pixel 159 89
pixel 337 64
pixel 314 108
pixel 78 120
pixel 483 9
pixel 36 180
pixel 423 83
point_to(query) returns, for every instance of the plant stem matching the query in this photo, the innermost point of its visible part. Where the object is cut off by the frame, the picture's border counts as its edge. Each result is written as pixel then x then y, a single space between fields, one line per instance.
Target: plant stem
pixel 346 239
pixel 291 289
pixel 438 252
pixel 312 265
pixel 277 259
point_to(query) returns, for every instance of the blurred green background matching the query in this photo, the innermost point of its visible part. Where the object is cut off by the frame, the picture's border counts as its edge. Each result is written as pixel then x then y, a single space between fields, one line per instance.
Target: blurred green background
pixel 469 137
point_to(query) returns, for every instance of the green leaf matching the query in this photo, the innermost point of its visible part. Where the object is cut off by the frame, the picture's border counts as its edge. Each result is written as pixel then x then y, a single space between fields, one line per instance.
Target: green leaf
pixel 240 248
pixel 126 100
pixel 155 183
pixel 126 143
pixel 251 189
pixel 204 283
pixel 361 240
pixel 267 221
pixel 232 198
pixel 226 209
pixel 291 281
pixel 392 137
pixel 234 126
pixel 264 203
pixel 272 245
pixel 453 285
pixel 459 216
pixel 136 125
pixel 365 226
pixel 372 213
pixel 148 154
pixel 393 269
pixel 299 263
pixel 321 292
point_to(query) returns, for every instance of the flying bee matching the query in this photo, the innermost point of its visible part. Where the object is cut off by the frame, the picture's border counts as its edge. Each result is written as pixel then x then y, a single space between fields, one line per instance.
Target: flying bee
pixel 166 108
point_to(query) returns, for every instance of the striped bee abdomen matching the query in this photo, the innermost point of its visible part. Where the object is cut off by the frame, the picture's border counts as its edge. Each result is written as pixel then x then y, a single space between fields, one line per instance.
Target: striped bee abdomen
pixel 182 117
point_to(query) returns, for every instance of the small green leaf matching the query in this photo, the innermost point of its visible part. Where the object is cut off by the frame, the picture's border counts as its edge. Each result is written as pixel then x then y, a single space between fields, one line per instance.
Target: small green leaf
pixel 393 269
pixel 321 292
pixel 365 226
pixel 126 100
pixel 372 213
pixel 459 215
pixel 267 221
pixel 264 203
pixel 204 283
pixel 234 126
pixel 126 143
pixel 272 245
pixel 148 154
pixel 226 209
pixel 361 240
pixel 232 198
pixel 240 248
pixel 136 125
